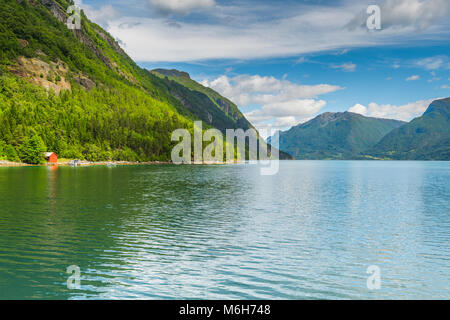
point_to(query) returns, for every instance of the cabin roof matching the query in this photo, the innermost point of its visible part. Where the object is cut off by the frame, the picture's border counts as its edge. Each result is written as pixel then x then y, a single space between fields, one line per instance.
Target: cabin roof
pixel 48 154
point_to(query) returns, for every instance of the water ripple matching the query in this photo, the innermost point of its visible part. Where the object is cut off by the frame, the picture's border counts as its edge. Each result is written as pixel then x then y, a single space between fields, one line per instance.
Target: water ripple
pixel 225 232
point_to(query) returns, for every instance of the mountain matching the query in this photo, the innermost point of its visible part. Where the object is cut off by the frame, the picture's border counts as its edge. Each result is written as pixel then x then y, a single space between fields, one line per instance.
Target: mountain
pixel 203 102
pixel 342 135
pixel 424 138
pixel 82 96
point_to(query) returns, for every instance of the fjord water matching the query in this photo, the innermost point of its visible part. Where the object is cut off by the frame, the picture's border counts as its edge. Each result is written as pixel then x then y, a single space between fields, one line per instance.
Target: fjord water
pixel 226 232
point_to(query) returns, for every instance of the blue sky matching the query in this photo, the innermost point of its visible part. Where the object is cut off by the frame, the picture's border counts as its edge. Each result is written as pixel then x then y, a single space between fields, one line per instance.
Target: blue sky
pixel 284 62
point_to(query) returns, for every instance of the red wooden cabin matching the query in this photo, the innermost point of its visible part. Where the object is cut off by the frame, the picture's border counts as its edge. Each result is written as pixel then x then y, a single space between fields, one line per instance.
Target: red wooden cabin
pixel 51 157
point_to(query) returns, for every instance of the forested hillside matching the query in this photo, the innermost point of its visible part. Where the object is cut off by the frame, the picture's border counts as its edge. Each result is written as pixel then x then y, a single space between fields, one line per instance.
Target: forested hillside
pixel 424 138
pixel 203 102
pixel 77 93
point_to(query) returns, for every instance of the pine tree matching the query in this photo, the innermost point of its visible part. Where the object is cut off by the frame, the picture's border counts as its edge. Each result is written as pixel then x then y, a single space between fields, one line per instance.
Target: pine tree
pixel 11 154
pixel 32 150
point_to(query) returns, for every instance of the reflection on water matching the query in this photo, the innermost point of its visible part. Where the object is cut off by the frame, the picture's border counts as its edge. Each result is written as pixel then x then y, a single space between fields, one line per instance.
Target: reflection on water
pixel 226 232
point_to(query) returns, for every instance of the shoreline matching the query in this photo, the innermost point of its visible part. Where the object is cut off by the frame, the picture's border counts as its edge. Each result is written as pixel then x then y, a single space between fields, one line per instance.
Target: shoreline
pixel 80 164
pixel 8 164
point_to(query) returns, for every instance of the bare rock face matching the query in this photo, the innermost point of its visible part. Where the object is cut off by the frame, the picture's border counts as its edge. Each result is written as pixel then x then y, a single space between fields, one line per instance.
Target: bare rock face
pixel 57 11
pixel 224 105
pixel 51 76
pixel 23 43
pixel 172 73
pixel 62 16
pixel 85 82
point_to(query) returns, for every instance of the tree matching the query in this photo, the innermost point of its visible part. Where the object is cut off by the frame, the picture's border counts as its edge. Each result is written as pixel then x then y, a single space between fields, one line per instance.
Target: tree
pixel 8 152
pixel 32 150
pixel 11 154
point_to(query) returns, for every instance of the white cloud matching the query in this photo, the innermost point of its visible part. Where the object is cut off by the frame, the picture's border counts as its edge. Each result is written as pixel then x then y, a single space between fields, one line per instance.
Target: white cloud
pixel 293 108
pixel 150 39
pixel 359 108
pixel 181 6
pixel 432 63
pixel 417 13
pixel 404 112
pixel 285 121
pixel 414 14
pixel 282 116
pixel 434 79
pixel 240 32
pixel 301 60
pixel 445 86
pixel 348 67
pixel 413 78
pixel 280 102
pixel 270 129
pixel 258 31
pixel 254 89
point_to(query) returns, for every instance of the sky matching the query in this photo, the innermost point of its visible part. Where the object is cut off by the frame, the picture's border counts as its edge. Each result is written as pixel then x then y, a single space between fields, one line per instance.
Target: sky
pixel 285 62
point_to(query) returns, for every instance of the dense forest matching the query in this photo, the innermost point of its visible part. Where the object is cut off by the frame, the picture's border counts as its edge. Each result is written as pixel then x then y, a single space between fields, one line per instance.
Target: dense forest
pixel 116 123
pixel 77 93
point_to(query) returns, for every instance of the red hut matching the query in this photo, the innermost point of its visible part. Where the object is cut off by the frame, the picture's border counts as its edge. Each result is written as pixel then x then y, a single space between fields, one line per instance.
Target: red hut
pixel 51 157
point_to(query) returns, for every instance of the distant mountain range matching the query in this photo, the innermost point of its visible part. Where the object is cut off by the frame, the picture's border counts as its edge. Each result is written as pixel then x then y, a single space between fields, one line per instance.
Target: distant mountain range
pixel 424 138
pixel 347 135
pixel 342 135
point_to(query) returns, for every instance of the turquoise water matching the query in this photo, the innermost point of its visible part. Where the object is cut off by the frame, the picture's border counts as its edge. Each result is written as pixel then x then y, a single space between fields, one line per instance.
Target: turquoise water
pixel 226 232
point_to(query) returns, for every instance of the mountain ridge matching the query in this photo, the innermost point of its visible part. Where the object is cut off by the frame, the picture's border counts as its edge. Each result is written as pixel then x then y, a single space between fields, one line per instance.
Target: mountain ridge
pixel 423 138
pixel 335 135
pixel 203 102
pixel 83 96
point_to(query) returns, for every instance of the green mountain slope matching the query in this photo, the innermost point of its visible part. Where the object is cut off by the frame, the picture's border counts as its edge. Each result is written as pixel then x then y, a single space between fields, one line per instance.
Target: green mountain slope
pixel 80 93
pixel 203 102
pixel 424 138
pixel 335 136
